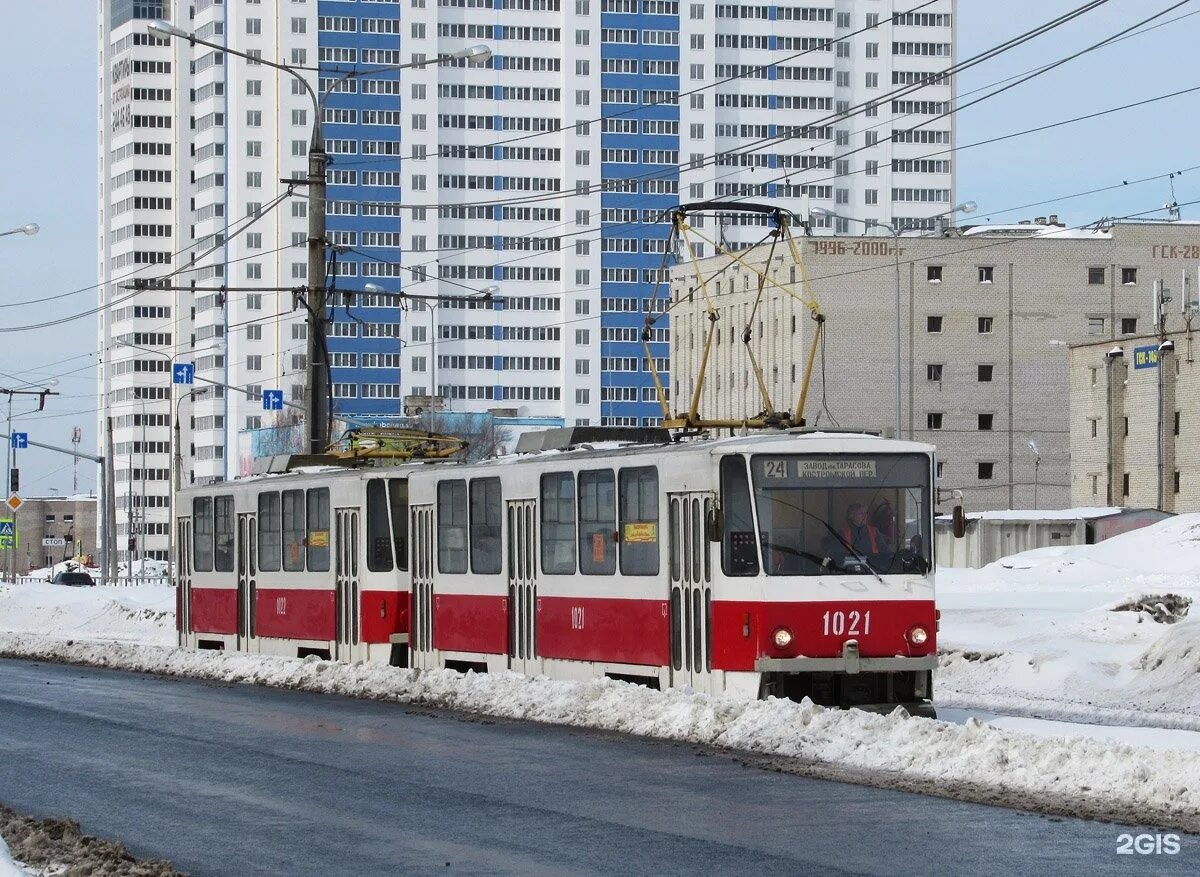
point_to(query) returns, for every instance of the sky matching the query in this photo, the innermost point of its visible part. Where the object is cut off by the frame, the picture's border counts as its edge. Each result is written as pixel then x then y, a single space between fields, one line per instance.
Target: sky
pixel 48 172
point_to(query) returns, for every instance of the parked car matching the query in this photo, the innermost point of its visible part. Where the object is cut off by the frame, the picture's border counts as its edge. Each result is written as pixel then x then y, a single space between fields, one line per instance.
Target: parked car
pixel 73 579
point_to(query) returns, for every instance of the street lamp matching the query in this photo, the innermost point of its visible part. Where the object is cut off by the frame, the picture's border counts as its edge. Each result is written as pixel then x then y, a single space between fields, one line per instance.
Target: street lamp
pixel 317 409
pixel 29 228
pixel 896 232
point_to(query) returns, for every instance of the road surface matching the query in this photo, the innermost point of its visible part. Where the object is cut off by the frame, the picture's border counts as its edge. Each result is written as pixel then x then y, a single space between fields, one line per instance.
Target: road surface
pixel 242 780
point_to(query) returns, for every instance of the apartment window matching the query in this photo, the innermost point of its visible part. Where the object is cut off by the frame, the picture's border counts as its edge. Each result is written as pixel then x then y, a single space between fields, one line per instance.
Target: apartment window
pixel 253 87
pixel 985 374
pixel 299 25
pixel 843 50
pixel 843 19
pixel 1129 276
pixel 933 325
pixel 299 117
pixel 933 420
pixel 872 168
pixel 985 471
pixel 254 301
pixel 254 332
pixel 253 179
pixel 872 50
pixel 985 325
pixel 254 25
pixel 985 422
pixel 985 273
pixel 871 196
pixel 872 80
pixel 253 118
pixel 583 397
pixel 254 148
pixel 254 363
pixel 872 136
pixel 253 271
pixel 872 19
pixel 696 71
pixel 583 366
pixel 1096 276
pixel 1095 326
pixel 1128 325
pixel 933 372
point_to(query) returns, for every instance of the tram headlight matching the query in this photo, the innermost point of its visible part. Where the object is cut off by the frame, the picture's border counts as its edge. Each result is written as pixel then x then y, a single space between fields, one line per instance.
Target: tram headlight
pixel 782 637
pixel 918 635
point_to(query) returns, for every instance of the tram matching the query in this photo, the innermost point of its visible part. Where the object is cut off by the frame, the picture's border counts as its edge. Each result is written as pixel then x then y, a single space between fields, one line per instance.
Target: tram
pixel 792 563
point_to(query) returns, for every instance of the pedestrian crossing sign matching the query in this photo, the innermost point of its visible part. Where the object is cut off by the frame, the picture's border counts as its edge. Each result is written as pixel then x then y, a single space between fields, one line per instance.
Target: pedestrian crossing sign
pixel 8 533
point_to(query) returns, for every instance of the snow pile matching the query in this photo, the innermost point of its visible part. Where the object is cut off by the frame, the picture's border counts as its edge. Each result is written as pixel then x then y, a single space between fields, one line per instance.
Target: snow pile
pixel 8 868
pixel 48 572
pixel 1087 632
pixel 145 614
pixel 973 761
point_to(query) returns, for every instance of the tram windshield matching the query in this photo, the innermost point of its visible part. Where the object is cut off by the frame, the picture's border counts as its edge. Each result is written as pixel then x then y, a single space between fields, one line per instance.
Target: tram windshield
pixel 845 514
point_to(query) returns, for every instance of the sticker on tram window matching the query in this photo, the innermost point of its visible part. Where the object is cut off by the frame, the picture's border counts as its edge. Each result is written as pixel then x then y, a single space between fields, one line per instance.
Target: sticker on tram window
pixel 318 538
pixel 835 468
pixel 643 532
pixel 598 547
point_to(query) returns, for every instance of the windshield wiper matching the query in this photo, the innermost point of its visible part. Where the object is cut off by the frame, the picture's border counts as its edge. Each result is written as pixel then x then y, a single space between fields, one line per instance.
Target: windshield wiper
pixel 836 535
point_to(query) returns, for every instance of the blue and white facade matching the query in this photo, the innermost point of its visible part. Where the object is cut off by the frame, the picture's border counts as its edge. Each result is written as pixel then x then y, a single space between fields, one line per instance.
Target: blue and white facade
pixel 545 173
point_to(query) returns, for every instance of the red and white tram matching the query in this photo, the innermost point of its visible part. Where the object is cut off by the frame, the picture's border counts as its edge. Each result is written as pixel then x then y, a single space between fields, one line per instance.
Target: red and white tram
pixel 793 563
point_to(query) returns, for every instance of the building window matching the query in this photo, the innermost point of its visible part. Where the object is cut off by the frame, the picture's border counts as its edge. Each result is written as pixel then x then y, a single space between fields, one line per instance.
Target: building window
pixel 933 371
pixel 1096 276
pixel 933 273
pixel 985 325
pixel 1129 276
pixel 933 420
pixel 985 374
pixel 985 422
pixel 1095 427
pixel 985 273
pixel 1126 428
pixel 1095 484
pixel 1177 414
pixel 1125 484
pixel 941 467
pixel 1128 325
pixel 933 324
pixel 986 471
pixel 1095 326
pixel 1177 481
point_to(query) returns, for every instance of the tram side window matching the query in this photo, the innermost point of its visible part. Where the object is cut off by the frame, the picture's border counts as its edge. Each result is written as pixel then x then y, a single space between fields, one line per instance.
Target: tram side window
pixel 597 523
pixel 398 499
pixel 317 537
pixel 202 534
pixel 223 533
pixel 639 521
pixel 739 551
pixel 558 524
pixel 293 530
pixel 379 536
pixel 486 517
pixel 269 535
pixel 452 526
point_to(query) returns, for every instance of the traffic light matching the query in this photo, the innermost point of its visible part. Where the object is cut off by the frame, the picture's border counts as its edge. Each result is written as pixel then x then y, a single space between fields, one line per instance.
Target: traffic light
pixel 14 481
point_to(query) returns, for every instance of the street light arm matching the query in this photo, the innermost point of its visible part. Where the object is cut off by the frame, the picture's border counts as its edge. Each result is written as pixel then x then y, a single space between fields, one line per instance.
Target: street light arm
pixel 29 228
pixel 480 54
pixel 164 29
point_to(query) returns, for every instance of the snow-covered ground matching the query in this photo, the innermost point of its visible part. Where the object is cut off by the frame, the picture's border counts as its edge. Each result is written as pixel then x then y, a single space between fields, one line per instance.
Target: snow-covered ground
pixel 1034 636
pixel 1043 633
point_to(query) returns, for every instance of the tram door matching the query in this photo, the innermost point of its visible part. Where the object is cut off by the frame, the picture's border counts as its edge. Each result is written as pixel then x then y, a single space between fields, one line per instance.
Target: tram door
pixel 522 585
pixel 691 590
pixel 183 578
pixel 420 636
pixel 346 584
pixel 247 579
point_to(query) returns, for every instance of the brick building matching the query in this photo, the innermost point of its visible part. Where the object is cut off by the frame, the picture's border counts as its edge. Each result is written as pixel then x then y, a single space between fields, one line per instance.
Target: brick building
pixel 1124 445
pixel 986 317
pixel 71 518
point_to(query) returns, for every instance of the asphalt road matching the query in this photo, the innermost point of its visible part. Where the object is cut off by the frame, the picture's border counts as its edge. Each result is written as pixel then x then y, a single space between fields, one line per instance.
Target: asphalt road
pixel 241 780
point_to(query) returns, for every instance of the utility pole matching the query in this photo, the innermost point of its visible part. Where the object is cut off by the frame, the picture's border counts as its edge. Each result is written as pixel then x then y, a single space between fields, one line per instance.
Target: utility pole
pixel 76 438
pixel 41 394
pixel 318 375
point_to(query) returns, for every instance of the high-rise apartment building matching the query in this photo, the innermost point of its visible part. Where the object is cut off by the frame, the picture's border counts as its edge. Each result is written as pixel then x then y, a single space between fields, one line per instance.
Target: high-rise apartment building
pixel 542 177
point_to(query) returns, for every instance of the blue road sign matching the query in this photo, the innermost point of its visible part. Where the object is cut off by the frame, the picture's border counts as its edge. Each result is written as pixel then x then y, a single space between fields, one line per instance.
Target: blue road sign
pixel 272 400
pixel 183 373
pixel 1145 357
pixel 8 528
pixel 20 439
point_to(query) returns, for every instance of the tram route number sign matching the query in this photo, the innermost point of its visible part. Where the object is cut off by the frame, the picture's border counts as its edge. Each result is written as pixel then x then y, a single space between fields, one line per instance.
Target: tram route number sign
pixel 817 468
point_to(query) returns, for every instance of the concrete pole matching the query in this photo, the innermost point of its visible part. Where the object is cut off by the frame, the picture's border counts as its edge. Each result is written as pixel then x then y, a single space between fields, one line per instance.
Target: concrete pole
pixel 317 412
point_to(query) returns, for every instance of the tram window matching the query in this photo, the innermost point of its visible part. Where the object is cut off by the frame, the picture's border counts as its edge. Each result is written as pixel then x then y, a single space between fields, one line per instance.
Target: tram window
pixel 639 521
pixel 223 533
pixel 202 534
pixel 485 526
pixel 452 526
pixel 597 523
pixel 293 530
pixel 317 540
pixel 379 536
pixel 739 552
pixel 269 535
pixel 398 498
pixel 558 523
